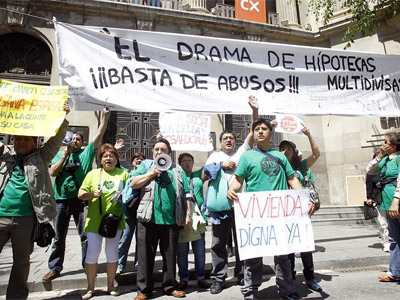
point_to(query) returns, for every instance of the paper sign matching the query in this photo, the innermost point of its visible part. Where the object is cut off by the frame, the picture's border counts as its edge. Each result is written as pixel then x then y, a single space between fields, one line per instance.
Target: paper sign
pixel 186 131
pixel 31 110
pixel 288 124
pixel 273 223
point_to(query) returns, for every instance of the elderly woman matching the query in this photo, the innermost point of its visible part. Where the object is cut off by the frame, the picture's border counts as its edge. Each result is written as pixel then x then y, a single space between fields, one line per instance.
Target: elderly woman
pixel 387 165
pixel 302 169
pixel 163 228
pixel 100 188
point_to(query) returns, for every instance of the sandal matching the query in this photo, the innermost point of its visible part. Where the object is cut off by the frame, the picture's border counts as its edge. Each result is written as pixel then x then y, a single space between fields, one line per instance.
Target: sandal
pixel 113 293
pixel 89 294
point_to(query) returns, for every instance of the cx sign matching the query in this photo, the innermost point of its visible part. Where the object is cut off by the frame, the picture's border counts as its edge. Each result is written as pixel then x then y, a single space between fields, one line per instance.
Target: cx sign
pixel 250 5
pixel 251 10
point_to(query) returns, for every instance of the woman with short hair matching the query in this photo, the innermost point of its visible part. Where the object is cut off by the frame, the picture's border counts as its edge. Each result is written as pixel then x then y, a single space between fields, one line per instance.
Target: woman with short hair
pixel 101 188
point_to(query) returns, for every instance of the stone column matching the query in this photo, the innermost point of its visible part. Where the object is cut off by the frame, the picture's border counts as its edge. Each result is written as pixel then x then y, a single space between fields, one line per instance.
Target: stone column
pixel 287 11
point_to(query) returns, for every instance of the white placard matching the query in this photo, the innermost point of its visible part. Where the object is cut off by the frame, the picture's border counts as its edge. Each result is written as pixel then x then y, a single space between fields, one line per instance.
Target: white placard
pixel 155 72
pixel 288 124
pixel 273 223
pixel 186 131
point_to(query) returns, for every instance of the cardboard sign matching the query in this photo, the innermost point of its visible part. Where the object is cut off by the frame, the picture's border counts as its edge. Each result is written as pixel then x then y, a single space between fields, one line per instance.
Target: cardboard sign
pixel 186 131
pixel 31 110
pixel 273 223
pixel 288 124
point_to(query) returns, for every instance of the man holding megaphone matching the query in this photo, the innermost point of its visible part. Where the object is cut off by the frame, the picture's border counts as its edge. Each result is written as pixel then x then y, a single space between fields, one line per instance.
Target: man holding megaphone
pixel 167 190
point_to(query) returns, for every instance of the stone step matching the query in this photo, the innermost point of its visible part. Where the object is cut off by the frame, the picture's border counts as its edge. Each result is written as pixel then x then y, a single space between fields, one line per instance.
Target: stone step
pixel 342 221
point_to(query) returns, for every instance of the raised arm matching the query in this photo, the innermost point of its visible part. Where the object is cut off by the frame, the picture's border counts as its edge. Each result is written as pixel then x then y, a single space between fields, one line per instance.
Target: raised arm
pixel 51 147
pixel 314 148
pixel 105 116
pixel 56 168
pixel 254 106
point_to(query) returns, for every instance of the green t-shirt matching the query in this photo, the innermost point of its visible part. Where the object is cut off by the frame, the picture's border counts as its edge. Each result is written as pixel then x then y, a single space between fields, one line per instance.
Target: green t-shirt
pixel 79 163
pixel 16 200
pixel 262 173
pixel 164 195
pixel 110 184
pixel 388 169
pixel 300 176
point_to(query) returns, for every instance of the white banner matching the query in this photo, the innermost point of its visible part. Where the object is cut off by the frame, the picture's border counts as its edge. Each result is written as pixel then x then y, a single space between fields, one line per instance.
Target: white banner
pixel 154 71
pixel 288 124
pixel 273 223
pixel 186 131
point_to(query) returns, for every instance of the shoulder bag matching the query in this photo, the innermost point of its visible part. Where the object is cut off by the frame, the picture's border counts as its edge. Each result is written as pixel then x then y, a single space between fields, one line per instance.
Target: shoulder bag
pixel 109 222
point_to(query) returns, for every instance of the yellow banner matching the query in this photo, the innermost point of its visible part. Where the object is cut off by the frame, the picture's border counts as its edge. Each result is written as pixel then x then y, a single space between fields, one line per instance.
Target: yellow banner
pixel 31 110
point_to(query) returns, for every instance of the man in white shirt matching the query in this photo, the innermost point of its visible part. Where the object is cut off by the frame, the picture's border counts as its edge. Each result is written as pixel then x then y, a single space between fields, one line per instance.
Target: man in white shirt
pixel 222 221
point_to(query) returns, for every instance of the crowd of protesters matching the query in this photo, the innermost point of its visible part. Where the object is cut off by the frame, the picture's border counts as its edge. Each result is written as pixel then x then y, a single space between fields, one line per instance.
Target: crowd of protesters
pixel 172 211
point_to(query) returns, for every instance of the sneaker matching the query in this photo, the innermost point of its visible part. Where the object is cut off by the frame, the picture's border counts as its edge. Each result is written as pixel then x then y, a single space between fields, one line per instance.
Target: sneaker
pixel 50 276
pixel 118 273
pixel 217 287
pixel 204 284
pixel 312 284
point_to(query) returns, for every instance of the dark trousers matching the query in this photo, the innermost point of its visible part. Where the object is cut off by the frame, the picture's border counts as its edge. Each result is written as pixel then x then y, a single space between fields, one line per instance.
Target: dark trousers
pixel 19 230
pixel 66 209
pixel 149 235
pixel 219 255
pixel 308 264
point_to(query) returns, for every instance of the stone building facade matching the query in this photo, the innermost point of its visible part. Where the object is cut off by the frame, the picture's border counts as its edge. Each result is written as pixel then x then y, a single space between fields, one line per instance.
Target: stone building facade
pixel 28 54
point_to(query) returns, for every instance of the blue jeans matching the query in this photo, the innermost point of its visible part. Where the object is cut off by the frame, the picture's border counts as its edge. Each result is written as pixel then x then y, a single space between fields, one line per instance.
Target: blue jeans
pixel 394 239
pixel 199 250
pixel 125 242
pixel 66 209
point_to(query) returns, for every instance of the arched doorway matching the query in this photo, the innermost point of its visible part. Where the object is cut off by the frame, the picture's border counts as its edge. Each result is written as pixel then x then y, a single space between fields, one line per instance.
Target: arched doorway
pixel 24 58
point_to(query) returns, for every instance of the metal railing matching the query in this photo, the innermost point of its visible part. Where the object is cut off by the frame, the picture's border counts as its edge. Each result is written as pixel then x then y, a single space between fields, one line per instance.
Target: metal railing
pixel 224 10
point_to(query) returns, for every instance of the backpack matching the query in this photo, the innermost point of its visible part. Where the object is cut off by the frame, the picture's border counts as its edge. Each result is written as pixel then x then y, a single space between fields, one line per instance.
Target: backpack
pixel 131 197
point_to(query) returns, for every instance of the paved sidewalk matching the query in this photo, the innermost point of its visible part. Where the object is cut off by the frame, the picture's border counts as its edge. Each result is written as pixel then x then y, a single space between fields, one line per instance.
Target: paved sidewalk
pixel 337 246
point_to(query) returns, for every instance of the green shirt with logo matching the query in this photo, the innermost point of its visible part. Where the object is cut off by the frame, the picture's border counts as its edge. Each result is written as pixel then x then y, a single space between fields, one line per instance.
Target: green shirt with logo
pixel 164 195
pixel 73 172
pixel 111 183
pixel 16 200
pixel 262 173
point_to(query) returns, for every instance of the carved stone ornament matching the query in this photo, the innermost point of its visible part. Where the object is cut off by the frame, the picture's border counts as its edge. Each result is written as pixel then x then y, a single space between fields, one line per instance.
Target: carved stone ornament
pixel 13 17
pixel 144 25
pixel 253 37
